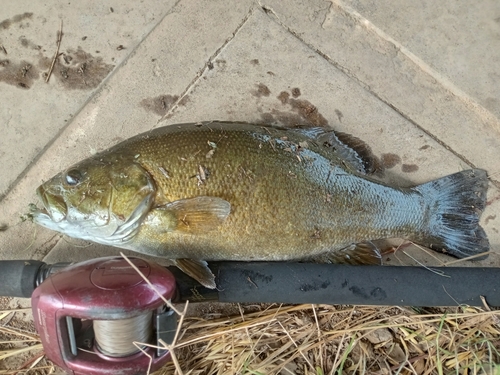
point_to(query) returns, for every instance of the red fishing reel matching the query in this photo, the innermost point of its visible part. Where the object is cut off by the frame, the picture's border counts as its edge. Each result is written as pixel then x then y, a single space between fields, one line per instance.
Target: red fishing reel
pixel 94 317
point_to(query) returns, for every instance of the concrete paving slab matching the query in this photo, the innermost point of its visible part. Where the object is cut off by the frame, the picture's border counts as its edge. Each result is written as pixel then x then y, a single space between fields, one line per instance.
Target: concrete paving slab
pixel 246 65
pixel 397 76
pixel 461 40
pixel 96 39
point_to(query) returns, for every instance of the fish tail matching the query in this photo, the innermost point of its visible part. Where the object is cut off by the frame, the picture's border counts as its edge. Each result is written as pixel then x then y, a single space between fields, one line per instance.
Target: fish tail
pixel 455 204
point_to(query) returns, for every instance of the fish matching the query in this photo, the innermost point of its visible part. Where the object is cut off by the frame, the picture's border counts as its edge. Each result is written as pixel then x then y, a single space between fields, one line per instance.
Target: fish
pixel 213 191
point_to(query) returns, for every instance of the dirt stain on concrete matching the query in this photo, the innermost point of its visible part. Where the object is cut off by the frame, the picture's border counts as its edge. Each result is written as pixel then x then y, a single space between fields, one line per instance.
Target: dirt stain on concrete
pixel 409 168
pixel 75 69
pixel 254 62
pixel 295 92
pixel 78 70
pixel 184 100
pixel 390 160
pixel 288 119
pixel 160 104
pixel 308 112
pixel 489 218
pixel 339 114
pixel 29 44
pixel 20 74
pixel 262 90
pixel 301 111
pixel 283 97
pixel 5 24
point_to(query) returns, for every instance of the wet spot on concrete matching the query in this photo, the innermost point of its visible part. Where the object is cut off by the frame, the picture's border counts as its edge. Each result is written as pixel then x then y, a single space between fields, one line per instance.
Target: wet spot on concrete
pixel 5 24
pixel 296 92
pixel 78 70
pixel 29 44
pixel 409 168
pixel 488 218
pixel 262 90
pixel 21 74
pixel 184 100
pixel 339 114
pixel 283 97
pixel 492 200
pixel 254 62
pixel 390 160
pixel 276 117
pixel 160 104
pixel 220 64
pixel 424 147
pixel 308 111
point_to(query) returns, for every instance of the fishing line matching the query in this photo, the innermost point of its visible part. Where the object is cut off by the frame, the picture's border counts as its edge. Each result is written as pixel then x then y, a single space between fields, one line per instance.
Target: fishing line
pixel 116 337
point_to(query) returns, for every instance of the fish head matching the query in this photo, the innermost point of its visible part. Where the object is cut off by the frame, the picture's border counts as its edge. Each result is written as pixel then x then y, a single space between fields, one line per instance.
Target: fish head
pixel 102 199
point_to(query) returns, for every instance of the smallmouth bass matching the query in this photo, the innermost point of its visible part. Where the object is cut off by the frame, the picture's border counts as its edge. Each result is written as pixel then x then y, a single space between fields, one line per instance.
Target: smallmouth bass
pixel 233 191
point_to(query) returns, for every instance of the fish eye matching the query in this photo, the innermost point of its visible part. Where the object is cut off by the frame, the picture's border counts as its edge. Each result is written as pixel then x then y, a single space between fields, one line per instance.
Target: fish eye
pixel 73 177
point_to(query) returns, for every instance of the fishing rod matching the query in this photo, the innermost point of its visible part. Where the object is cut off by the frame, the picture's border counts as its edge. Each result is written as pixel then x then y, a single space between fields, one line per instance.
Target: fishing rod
pixel 89 314
pixel 298 283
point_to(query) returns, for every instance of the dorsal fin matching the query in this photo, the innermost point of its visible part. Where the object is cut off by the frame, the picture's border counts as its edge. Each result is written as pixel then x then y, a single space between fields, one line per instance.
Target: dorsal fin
pixel 371 164
pixel 355 153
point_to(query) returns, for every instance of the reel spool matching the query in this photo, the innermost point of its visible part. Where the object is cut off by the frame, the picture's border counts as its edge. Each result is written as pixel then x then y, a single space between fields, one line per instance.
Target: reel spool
pixel 90 314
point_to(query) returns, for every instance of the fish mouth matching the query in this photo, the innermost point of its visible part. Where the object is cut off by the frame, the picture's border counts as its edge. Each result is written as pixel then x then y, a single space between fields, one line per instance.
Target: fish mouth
pixel 53 205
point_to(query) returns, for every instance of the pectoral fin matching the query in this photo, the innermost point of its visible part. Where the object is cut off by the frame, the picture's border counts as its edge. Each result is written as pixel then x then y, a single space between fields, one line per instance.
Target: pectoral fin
pixel 193 215
pixel 363 253
pixel 198 270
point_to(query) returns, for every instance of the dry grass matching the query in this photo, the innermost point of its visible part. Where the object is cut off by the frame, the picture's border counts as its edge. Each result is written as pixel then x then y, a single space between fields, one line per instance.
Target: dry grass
pixel 317 339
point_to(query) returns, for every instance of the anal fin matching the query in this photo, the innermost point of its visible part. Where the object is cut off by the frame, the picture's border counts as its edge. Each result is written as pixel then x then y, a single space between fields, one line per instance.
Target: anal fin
pixel 198 270
pixel 363 253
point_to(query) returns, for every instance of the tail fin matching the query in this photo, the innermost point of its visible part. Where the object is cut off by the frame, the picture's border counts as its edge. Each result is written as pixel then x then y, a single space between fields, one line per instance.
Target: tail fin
pixel 455 204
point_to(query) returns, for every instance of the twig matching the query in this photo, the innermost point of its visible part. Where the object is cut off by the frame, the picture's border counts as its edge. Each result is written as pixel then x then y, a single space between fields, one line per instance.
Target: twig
pixel 437 272
pixel 488 308
pixel 32 361
pixel 59 37
pixel 468 258
pixel 168 303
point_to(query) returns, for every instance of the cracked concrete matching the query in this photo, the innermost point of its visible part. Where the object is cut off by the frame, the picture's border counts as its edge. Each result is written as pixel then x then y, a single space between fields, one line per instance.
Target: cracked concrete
pixel 347 64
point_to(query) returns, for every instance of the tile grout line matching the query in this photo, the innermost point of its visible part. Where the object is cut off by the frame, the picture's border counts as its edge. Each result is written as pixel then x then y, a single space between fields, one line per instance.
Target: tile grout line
pixel 198 75
pixel 348 73
pixel 96 92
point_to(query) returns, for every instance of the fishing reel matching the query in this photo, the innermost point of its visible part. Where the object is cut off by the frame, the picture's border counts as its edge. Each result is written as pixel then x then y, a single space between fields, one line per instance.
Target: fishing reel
pixel 101 317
